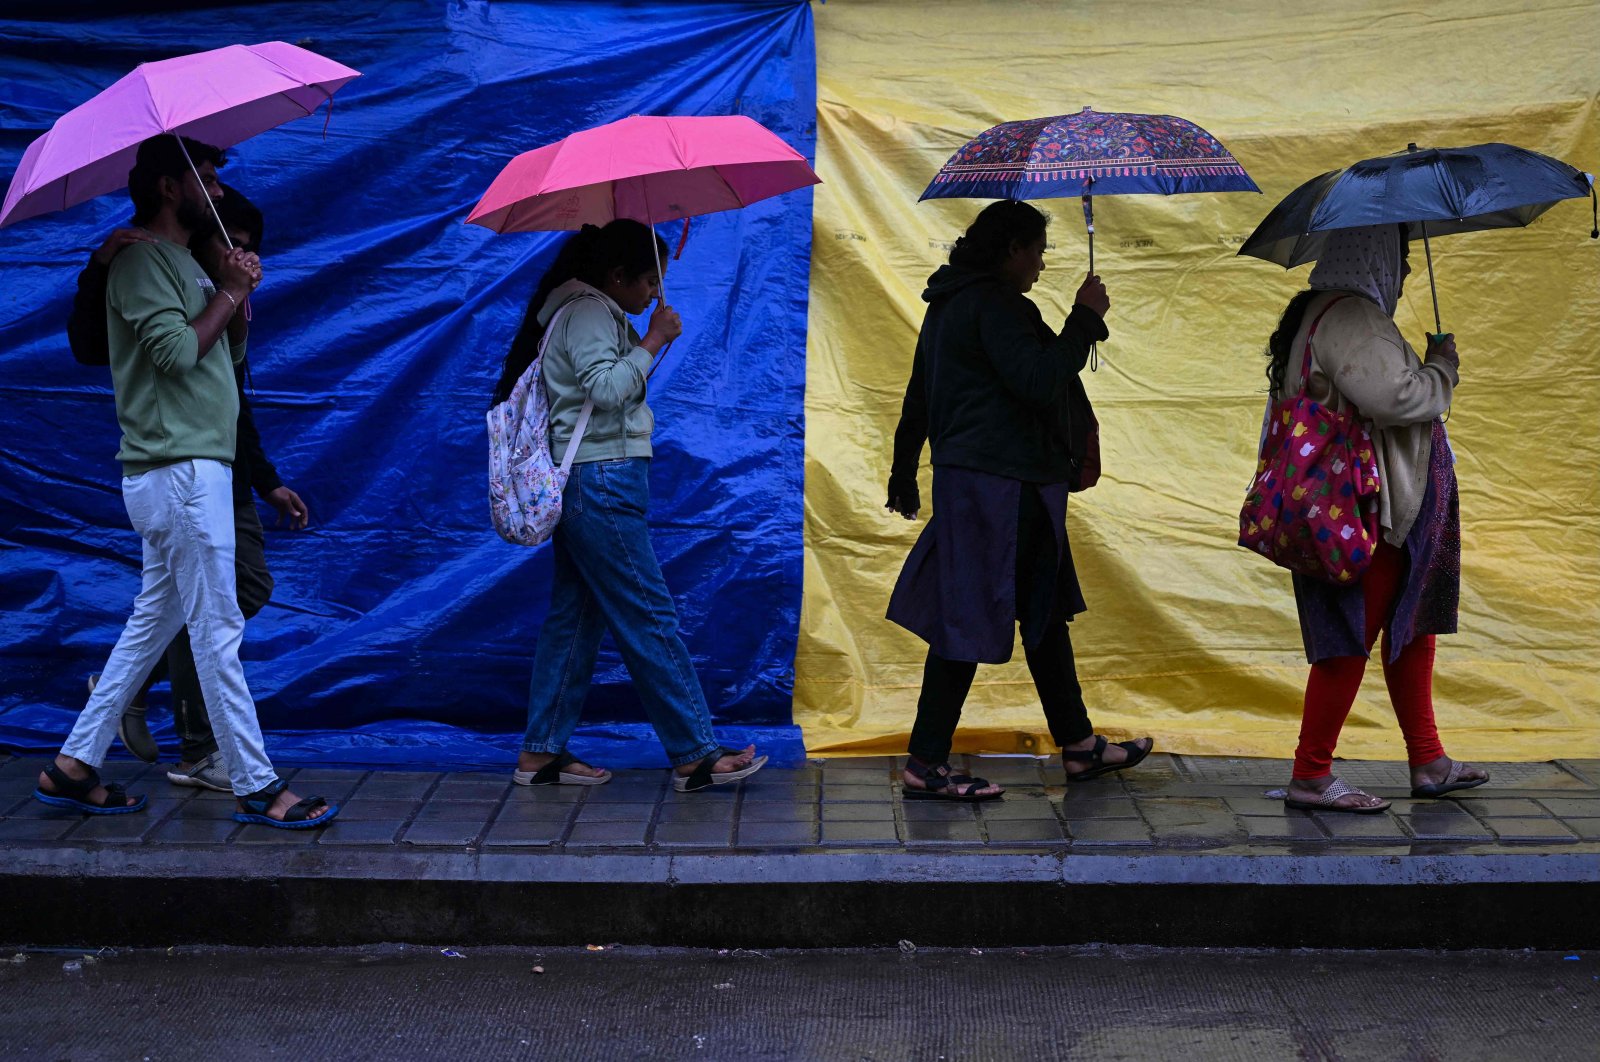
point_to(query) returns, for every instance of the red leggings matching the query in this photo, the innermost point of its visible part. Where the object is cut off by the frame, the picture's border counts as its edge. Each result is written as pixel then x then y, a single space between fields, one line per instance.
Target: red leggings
pixel 1331 689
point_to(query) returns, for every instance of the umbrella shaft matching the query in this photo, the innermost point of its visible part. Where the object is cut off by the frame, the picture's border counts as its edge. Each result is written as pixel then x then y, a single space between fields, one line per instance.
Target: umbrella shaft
pixel 209 201
pixel 1433 290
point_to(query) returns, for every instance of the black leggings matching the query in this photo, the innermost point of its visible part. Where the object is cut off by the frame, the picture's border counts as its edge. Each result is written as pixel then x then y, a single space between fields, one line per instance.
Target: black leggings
pixel 945 683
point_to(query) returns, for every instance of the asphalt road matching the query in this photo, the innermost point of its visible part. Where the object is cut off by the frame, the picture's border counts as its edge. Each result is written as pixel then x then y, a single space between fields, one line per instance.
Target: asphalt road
pixel 401 1002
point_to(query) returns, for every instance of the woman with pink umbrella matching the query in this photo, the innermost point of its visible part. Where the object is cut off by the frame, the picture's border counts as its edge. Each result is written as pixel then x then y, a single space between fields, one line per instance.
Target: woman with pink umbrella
pixel 606 572
pixel 613 184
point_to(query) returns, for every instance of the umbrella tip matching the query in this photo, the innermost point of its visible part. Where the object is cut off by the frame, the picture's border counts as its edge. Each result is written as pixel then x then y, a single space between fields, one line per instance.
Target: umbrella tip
pixel 1086 110
pixel 1411 147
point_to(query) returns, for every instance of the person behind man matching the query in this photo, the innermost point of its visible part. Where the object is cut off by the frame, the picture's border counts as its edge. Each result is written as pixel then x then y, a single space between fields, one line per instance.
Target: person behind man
pixel 199 763
pixel 177 403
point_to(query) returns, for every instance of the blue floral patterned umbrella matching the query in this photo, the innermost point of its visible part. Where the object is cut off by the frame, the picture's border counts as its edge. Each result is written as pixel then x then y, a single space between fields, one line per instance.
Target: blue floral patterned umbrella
pixel 1088 154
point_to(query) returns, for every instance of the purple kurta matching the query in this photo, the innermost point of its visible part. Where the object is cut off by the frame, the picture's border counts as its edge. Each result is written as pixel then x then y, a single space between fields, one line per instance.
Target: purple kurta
pixel 1333 619
pixel 960 585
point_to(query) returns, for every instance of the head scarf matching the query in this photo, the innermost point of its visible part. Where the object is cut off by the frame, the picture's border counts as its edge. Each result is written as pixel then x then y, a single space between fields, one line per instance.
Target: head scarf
pixel 1365 260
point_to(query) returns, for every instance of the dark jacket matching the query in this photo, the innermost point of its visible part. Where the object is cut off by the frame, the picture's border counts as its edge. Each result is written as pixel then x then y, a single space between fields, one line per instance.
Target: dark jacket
pixel 991 383
pixel 87 335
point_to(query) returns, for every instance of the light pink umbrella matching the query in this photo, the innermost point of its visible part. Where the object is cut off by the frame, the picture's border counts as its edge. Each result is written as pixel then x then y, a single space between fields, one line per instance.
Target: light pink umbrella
pixel 218 97
pixel 646 168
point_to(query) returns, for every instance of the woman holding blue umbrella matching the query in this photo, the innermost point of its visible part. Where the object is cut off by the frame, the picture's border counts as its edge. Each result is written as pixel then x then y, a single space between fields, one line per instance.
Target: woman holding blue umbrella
pixel 993 389
pixel 1344 324
pixel 1355 223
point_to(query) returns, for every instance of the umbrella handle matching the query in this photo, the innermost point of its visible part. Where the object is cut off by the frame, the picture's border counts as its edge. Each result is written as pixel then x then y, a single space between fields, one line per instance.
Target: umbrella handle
pixel 661 296
pixel 1088 223
pixel 1438 329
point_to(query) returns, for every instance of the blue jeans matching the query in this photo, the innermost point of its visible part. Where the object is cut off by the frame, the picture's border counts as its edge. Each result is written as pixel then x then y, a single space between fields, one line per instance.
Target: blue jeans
pixel 607 576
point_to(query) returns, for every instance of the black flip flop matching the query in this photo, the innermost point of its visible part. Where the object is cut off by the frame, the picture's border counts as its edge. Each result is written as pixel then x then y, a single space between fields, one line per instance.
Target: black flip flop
pixel 704 777
pixel 1452 782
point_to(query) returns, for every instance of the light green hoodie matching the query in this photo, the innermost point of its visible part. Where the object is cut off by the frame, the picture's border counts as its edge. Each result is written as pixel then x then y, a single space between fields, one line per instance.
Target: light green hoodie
pixel 172 404
pixel 595 353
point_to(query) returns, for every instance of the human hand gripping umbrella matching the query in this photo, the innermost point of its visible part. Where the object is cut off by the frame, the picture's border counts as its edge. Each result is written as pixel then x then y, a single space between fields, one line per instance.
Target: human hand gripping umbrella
pixel 1432 191
pixel 220 97
pixel 1087 154
pixel 647 168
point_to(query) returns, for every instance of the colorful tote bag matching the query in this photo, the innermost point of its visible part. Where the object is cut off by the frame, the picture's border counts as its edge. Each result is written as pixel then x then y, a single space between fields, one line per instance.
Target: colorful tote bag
pixel 525 484
pixel 1313 505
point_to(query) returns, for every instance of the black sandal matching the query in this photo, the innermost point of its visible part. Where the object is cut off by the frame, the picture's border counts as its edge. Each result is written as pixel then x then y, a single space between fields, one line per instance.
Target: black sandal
pixel 1136 755
pixel 74 793
pixel 942 785
pixel 297 817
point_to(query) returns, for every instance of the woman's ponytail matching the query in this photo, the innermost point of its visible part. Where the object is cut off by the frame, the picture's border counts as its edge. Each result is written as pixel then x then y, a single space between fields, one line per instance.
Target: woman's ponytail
pixel 569 265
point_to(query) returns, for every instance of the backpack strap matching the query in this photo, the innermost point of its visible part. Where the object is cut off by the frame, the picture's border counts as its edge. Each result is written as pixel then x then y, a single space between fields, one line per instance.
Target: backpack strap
pixel 588 402
pixel 577 437
pixel 1305 358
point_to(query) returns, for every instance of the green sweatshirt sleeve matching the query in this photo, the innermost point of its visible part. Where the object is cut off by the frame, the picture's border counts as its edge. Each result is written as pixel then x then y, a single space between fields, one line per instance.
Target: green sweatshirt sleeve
pixel 148 294
pixel 591 341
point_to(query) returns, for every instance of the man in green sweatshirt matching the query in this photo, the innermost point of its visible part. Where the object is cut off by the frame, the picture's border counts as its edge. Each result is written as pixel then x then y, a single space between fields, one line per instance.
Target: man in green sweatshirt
pixel 172 365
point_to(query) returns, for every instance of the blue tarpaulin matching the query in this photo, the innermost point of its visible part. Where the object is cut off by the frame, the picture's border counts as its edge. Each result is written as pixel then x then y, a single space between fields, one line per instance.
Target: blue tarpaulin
pixel 402 629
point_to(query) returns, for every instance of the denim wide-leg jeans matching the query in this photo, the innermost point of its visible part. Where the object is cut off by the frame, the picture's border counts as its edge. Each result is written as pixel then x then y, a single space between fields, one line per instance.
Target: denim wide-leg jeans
pixel 607 577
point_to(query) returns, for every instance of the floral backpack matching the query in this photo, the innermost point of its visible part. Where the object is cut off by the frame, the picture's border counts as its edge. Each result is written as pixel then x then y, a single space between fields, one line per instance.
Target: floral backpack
pixel 525 483
pixel 1313 505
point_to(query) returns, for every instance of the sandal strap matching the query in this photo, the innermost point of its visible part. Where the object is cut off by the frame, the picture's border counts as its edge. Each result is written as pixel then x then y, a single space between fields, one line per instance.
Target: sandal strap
pixel 70 787
pixel 700 777
pixel 1339 788
pixel 935 777
pixel 968 784
pixel 1456 770
pixel 551 772
pixel 1087 755
pixel 301 810
pixel 258 803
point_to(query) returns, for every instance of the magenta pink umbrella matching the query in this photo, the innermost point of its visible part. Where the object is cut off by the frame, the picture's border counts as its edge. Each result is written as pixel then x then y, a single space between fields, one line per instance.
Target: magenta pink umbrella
pixel 646 168
pixel 218 97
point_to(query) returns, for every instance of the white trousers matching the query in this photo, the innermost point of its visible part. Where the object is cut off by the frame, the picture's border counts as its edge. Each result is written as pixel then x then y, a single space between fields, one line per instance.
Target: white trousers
pixel 184 514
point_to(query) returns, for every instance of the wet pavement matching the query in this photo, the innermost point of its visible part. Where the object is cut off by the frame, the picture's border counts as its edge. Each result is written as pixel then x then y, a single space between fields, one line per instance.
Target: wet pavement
pixel 627 1003
pixel 1176 851
pixel 1172 802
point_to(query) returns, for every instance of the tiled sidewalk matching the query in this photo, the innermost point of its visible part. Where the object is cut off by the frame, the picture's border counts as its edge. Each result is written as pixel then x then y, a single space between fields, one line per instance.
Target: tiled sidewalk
pixel 1170 804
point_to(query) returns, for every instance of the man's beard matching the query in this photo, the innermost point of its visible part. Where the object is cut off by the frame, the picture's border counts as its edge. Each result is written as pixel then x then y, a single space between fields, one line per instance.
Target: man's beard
pixel 194 216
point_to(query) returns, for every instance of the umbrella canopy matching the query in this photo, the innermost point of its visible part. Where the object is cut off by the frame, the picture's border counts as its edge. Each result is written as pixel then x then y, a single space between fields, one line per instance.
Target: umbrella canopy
pixel 650 169
pixel 218 97
pixel 1090 153
pixel 1433 192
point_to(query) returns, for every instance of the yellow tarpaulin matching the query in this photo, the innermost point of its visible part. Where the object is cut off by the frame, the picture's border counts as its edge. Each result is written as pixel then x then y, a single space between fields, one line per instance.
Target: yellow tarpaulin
pixel 1188 636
